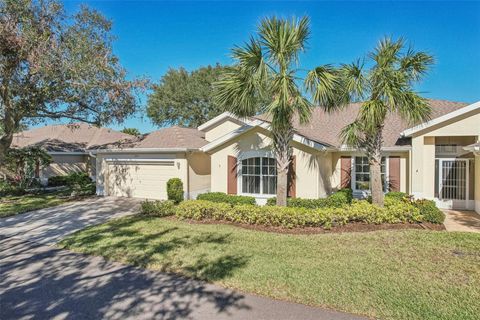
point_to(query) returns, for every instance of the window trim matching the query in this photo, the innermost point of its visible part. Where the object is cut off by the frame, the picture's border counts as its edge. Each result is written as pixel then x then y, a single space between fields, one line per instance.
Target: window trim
pixel 247 155
pixel 353 175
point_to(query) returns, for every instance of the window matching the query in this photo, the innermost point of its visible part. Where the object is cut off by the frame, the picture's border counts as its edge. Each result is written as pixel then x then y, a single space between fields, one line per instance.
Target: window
pixel 259 175
pixel 362 174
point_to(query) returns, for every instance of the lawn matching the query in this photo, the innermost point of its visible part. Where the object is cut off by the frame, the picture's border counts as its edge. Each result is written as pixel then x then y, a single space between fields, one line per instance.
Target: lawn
pixel 410 274
pixel 11 205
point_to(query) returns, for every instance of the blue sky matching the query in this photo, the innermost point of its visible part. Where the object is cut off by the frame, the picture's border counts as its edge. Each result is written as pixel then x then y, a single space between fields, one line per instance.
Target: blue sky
pixel 155 35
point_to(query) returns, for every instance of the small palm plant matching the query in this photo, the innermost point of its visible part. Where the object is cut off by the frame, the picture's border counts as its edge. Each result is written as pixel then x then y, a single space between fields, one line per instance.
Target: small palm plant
pixel 265 70
pixel 386 87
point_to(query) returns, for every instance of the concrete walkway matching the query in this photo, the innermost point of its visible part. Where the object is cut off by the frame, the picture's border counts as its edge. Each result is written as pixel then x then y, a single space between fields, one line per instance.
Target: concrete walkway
pixel 466 221
pixel 49 225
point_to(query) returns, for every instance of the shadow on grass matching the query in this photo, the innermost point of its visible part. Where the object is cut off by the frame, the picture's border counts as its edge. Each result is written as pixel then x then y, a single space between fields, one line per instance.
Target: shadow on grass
pixel 121 240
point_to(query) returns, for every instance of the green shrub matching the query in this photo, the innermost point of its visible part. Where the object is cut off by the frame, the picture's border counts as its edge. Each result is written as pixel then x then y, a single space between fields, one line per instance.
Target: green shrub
pixel 158 208
pixel 58 181
pixel 175 190
pixel 7 188
pixel 202 209
pixel 293 217
pixel 336 200
pixel 397 195
pixel 340 198
pixel 81 183
pixel 226 198
pixel 429 211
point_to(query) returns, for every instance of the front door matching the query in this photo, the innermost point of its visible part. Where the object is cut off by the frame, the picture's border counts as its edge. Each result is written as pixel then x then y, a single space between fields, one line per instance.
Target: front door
pixel 453 183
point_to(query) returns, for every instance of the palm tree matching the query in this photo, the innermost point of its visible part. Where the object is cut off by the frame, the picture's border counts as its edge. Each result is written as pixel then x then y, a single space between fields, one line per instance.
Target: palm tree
pixel 386 87
pixel 265 70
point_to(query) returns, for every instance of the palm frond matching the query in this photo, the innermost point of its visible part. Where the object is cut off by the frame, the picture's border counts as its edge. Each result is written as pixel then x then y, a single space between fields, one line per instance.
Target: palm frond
pixel 324 83
pixel 238 92
pixel 416 64
pixel 352 134
pixel 414 108
pixel 353 80
pixel 372 115
pixel 283 39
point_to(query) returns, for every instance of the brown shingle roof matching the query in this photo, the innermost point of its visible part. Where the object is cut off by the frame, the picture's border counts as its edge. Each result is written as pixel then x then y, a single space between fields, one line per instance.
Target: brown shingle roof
pixel 325 127
pixel 69 137
pixel 172 137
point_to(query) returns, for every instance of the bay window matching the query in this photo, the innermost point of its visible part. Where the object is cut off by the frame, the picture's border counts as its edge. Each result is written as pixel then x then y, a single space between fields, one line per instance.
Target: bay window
pixel 259 176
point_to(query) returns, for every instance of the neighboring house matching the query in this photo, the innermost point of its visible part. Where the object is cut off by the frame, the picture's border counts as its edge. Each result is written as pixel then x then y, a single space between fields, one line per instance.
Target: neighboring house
pixel 69 145
pixel 436 160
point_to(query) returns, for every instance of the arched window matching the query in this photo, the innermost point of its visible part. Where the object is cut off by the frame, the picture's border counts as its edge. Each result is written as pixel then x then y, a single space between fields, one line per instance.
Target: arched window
pixel 258 175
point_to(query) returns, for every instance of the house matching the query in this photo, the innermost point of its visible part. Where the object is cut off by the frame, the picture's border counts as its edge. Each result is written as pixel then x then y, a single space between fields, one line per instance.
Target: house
pixel 69 145
pixel 437 160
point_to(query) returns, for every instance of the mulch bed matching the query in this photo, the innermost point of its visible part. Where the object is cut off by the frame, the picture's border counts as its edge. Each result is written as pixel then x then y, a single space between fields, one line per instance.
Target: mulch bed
pixel 349 227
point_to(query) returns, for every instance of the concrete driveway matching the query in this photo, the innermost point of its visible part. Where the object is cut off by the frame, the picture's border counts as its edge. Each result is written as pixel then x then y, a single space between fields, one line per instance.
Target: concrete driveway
pixel 49 225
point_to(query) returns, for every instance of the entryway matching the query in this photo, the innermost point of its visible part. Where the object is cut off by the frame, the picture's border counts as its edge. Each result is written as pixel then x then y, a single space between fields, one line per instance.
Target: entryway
pixel 454 183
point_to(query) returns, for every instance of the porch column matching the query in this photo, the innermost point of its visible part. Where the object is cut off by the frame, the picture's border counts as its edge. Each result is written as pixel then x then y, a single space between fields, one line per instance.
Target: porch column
pixel 476 181
pixel 423 167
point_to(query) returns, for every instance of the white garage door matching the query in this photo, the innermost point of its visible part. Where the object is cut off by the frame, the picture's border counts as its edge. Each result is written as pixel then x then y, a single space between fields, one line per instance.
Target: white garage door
pixel 140 180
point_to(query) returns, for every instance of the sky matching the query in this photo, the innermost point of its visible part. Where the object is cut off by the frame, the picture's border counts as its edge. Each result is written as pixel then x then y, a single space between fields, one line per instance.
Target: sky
pixel 153 36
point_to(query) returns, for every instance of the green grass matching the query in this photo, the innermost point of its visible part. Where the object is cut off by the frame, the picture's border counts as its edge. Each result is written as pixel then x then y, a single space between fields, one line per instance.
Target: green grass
pixel 11 205
pixel 410 274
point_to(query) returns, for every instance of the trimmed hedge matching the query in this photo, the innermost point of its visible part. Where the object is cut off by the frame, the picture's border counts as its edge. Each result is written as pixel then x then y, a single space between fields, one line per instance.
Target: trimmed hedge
pixel 58 181
pixel 158 208
pixel 293 217
pixel 226 198
pixel 175 190
pixel 338 199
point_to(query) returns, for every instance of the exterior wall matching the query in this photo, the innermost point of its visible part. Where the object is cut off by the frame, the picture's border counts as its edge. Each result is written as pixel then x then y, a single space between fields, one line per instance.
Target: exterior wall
pixel 221 129
pixel 312 167
pixel 404 168
pixel 65 164
pixel 477 183
pixel 198 174
pixel 462 131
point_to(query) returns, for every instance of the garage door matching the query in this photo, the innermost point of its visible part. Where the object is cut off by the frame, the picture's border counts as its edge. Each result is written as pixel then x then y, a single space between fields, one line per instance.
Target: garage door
pixel 140 180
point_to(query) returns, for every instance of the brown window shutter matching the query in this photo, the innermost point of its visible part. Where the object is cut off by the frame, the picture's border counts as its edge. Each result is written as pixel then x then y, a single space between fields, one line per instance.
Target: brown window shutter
pixel 292 178
pixel 232 175
pixel 394 173
pixel 345 172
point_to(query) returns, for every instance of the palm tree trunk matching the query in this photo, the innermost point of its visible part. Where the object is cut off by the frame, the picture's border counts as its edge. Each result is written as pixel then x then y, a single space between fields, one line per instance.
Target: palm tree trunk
pixel 376 180
pixel 282 179
pixel 283 151
pixel 376 184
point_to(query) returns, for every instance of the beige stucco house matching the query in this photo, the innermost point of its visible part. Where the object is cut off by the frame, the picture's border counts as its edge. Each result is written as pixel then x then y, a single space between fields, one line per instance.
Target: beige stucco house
pixel 436 160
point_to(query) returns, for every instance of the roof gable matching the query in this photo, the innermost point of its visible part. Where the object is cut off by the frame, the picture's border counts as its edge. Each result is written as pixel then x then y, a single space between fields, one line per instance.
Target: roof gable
pixel 473 108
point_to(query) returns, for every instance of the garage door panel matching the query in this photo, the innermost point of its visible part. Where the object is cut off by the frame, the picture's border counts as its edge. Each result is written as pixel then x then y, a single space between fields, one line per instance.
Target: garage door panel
pixel 140 180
